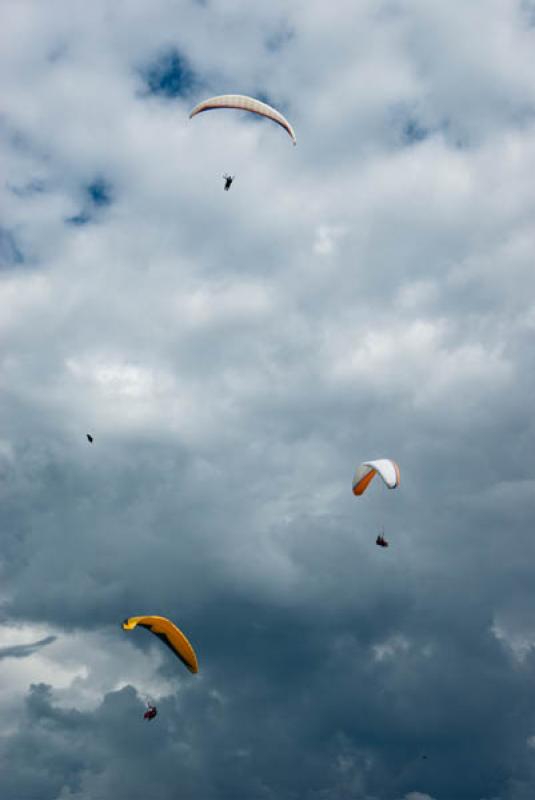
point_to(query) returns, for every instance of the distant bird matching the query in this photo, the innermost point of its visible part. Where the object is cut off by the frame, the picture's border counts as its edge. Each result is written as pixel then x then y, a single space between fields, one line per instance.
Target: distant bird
pixel 89 438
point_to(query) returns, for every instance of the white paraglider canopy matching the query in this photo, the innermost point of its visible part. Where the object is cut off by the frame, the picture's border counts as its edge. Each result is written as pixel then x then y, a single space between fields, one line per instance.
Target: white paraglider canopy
pixel 365 473
pixel 244 103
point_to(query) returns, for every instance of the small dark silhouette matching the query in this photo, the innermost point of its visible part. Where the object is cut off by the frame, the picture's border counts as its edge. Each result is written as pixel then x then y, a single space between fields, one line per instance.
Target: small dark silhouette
pixel 89 438
pixel 151 712
pixel 228 181
pixel 381 541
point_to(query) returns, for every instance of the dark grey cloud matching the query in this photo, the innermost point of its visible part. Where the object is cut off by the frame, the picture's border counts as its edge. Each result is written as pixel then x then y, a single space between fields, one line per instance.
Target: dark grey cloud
pixel 352 671
pixel 25 650
pixel 304 691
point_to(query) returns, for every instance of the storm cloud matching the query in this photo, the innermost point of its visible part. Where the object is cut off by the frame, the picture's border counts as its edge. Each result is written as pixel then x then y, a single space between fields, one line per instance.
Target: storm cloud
pixel 369 293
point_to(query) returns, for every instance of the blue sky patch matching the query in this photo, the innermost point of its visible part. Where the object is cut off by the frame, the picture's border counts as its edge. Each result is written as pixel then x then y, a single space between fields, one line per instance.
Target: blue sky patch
pixel 99 192
pixel 414 132
pixel 169 75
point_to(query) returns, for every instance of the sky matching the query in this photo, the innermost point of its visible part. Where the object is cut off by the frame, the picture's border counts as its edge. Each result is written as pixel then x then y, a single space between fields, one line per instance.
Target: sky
pixel 369 293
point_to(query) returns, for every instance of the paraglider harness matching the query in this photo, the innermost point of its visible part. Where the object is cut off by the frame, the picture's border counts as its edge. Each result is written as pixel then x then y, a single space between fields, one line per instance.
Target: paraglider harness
pixel 381 541
pixel 151 712
pixel 228 181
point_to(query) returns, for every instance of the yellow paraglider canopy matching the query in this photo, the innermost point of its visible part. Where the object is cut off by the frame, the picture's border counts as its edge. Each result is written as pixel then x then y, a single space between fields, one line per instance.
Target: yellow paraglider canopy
pixel 170 635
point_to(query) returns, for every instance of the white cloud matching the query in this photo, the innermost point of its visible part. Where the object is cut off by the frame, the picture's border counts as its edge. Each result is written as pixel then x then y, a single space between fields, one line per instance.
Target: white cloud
pixel 520 643
pixel 396 645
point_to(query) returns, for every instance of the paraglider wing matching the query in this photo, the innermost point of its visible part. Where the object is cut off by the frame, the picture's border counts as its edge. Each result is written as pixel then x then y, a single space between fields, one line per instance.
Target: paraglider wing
pixel 170 635
pixel 246 104
pixel 365 473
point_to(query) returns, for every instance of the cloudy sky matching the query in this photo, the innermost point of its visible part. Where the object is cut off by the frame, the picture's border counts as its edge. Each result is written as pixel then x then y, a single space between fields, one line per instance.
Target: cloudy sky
pixel 369 293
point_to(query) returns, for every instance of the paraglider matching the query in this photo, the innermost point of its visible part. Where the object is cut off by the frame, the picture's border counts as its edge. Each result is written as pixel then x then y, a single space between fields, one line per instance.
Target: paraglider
pixel 228 181
pixel 365 473
pixel 89 438
pixel 169 634
pixel 244 103
pixel 151 712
